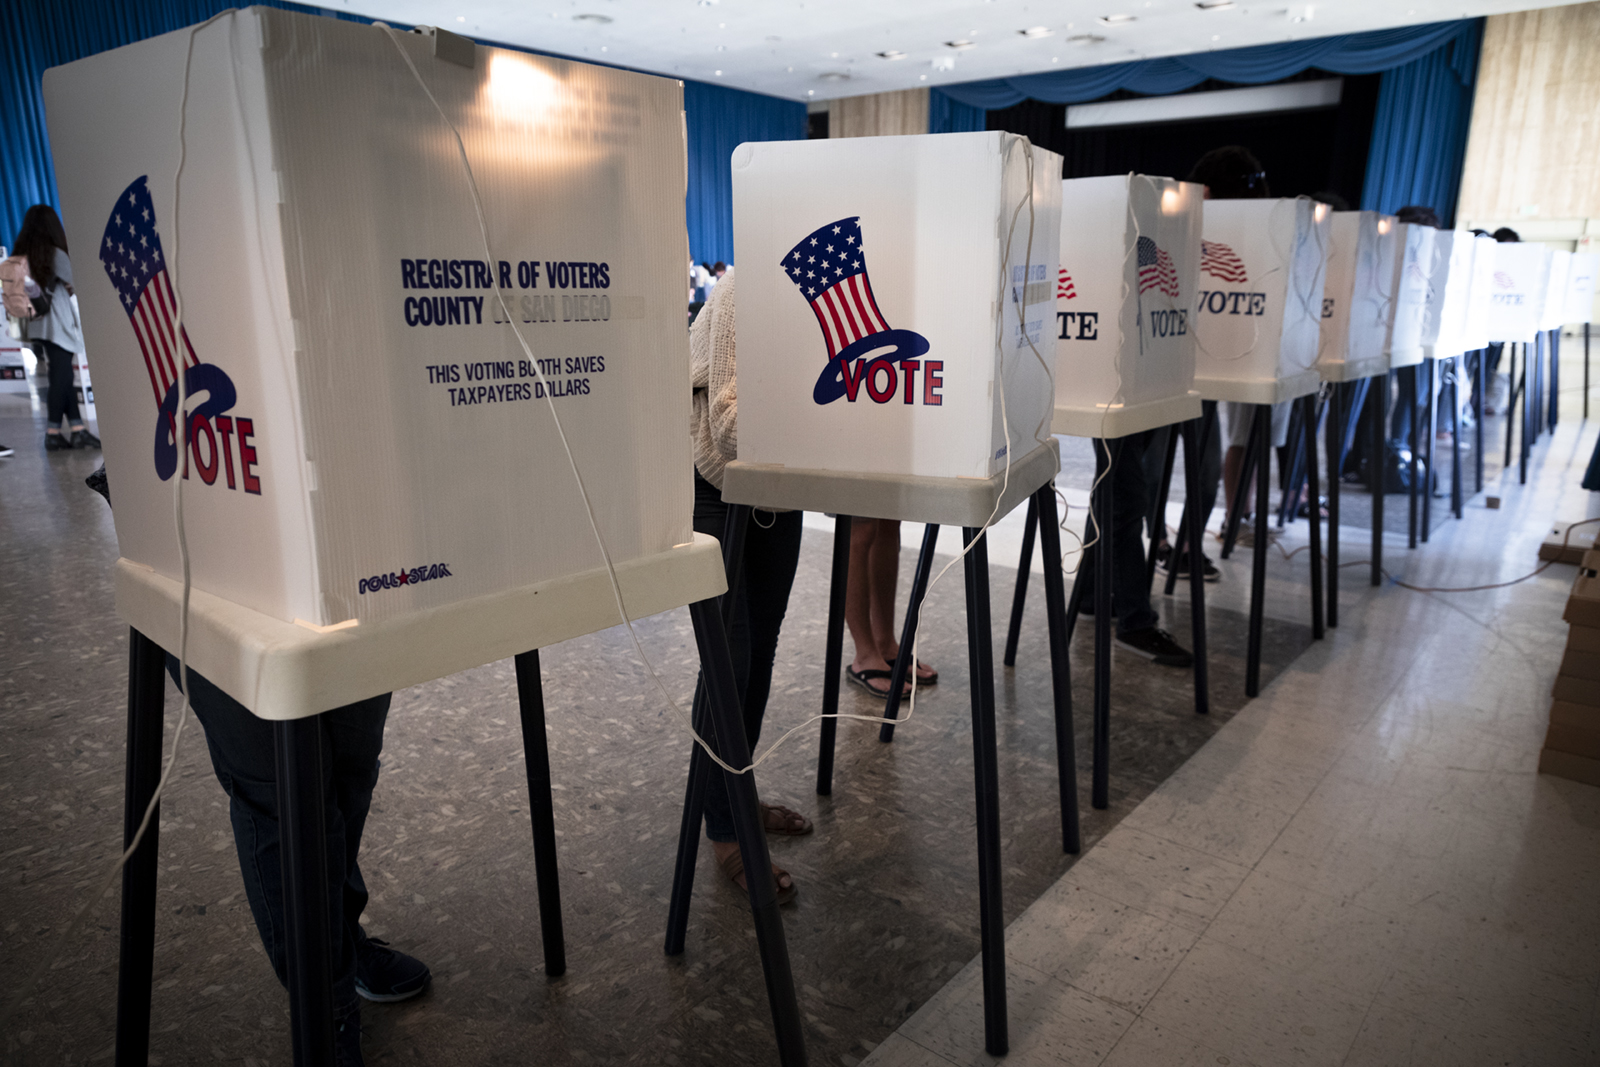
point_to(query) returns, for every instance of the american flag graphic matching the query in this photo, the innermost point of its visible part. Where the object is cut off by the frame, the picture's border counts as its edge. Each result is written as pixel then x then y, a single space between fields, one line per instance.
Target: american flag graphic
pixel 1222 262
pixel 1504 280
pixel 830 271
pixel 1156 270
pixel 1064 289
pixel 131 252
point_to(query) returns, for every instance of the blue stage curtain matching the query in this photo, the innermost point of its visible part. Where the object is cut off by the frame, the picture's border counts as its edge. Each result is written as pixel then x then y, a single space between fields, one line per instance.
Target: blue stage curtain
pixel 1419 133
pixel 38 34
pixel 1355 53
pixel 949 115
pixel 719 119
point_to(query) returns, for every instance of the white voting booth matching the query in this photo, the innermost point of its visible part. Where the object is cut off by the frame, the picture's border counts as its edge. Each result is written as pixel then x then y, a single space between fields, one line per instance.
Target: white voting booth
pixel 1413 263
pixel 1458 301
pixel 373 455
pixel 1358 297
pixel 898 307
pixel 1258 316
pixel 1124 302
pixel 1580 286
pixel 1516 300
pixel 1553 306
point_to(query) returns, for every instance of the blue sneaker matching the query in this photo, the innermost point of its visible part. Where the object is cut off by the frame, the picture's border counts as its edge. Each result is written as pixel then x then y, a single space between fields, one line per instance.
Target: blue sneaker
pixel 384 975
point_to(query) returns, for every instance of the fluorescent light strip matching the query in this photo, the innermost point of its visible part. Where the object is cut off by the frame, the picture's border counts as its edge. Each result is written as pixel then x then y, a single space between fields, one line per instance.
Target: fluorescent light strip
pixel 1296 96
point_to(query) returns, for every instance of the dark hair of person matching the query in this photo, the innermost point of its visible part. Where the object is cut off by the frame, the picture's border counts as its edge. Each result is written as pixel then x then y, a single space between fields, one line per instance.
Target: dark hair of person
pixel 1231 173
pixel 719 268
pixel 1420 216
pixel 1332 199
pixel 1479 233
pixel 1506 235
pixel 40 236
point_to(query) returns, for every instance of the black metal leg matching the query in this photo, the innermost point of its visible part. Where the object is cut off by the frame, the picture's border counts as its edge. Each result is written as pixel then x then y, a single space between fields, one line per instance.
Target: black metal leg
pixel 986 772
pixel 1018 598
pixel 1315 491
pixel 1258 573
pixel 1429 480
pixel 1536 385
pixel 536 756
pixel 1480 382
pixel 1055 606
pixel 1104 512
pixel 1378 398
pixel 1194 437
pixel 1530 367
pixel 722 694
pixel 1180 543
pixel 833 655
pixel 1510 353
pixel 1555 378
pixel 1412 500
pixel 1586 370
pixel 1241 492
pixel 1158 515
pixel 146 697
pixel 1289 493
pixel 302 828
pixel 1335 446
pixel 1457 498
pixel 902 664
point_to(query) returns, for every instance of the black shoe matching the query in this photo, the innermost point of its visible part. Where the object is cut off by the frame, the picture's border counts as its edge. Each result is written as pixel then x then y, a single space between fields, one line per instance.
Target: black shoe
pixel 1208 569
pixel 347 1039
pixel 384 975
pixel 54 442
pixel 1154 643
pixel 5 450
pixel 84 439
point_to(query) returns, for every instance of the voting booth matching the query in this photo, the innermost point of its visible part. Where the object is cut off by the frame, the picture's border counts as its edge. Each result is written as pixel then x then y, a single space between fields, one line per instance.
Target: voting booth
pixel 1553 308
pixel 1124 296
pixel 1516 301
pixel 905 327
pixel 369 440
pixel 1358 297
pixel 1413 263
pixel 1258 312
pixel 1580 286
pixel 1458 300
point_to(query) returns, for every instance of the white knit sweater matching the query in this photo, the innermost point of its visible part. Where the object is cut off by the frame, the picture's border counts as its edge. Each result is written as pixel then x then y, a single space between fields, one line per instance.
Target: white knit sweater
pixel 714 419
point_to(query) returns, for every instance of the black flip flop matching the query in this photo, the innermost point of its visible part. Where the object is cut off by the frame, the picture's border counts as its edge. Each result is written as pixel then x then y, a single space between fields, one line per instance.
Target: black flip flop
pixel 862 678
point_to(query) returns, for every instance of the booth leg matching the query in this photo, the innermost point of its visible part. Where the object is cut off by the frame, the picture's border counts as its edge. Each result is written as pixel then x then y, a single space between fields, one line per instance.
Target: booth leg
pixel 986 771
pixel 722 699
pixel 1104 510
pixel 1479 381
pixel 1586 370
pixel 1241 492
pixel 1024 565
pixel 1258 573
pixel 1457 497
pixel 1055 606
pixel 1536 390
pixel 1335 447
pixel 1530 382
pixel 1289 495
pixel 1432 423
pixel 536 757
pixel 1412 501
pixel 832 661
pixel 136 964
pixel 1194 436
pixel 1085 561
pixel 1555 378
pixel 1513 391
pixel 1158 516
pixel 302 829
pixel 919 589
pixel 1313 483
pixel 1378 397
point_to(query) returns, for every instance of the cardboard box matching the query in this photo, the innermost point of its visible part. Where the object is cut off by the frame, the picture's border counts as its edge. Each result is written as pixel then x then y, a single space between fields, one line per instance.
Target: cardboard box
pixel 1583 639
pixel 1577 740
pixel 1577 690
pixel 1580 664
pixel 1125 295
pixel 1567 765
pixel 1564 547
pixel 897 303
pixel 1583 605
pixel 1517 298
pixel 1358 298
pixel 370 439
pixel 1570 714
pixel 1413 260
pixel 1258 322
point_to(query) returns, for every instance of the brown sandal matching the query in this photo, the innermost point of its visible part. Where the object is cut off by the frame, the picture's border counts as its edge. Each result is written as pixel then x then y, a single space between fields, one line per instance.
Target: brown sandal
pixel 733 866
pixel 782 822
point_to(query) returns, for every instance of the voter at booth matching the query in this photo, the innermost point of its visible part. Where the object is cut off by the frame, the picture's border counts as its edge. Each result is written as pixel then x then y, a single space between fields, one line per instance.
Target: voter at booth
pixel 771 555
pixel 54 329
pixel 869 607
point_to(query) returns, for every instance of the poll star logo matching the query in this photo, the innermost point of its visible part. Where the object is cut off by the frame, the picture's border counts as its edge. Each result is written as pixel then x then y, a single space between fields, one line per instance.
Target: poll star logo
pixel 1504 280
pixel 1222 263
pixel 1064 287
pixel 131 253
pixel 1156 270
pixel 829 268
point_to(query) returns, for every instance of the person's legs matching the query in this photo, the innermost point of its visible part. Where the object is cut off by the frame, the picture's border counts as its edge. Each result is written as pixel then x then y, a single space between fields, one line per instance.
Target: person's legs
pixel 772 554
pixel 61 399
pixel 1130 589
pixel 862 607
pixel 1210 463
pixel 884 567
pixel 1155 457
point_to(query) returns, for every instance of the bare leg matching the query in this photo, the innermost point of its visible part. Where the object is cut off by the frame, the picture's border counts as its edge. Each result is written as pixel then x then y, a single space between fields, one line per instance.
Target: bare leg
pixel 858 601
pixel 885 575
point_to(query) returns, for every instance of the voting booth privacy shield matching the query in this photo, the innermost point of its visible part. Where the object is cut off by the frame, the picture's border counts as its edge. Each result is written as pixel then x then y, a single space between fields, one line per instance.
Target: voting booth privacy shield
pixel 889 303
pixel 1580 286
pixel 1125 291
pixel 1461 266
pixel 1358 298
pixel 1413 263
pixel 1258 316
pixel 1553 308
pixel 1517 297
pixel 369 438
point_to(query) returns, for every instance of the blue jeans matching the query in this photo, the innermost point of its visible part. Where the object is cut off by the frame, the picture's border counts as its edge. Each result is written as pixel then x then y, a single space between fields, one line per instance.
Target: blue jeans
pixel 242 756
pixel 1130 503
pixel 771 555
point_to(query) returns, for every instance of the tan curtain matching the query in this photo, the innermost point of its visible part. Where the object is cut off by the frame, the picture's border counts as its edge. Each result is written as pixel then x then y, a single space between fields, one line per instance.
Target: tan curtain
pixel 879 115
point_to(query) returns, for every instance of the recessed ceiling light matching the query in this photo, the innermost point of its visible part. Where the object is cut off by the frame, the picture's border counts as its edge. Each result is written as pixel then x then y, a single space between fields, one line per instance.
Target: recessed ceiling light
pixel 1086 38
pixel 943 63
pixel 833 55
pixel 960 45
pixel 1113 20
pixel 708 3
pixel 1216 36
pixel 1033 32
pixel 719 73
pixel 834 76
pixel 461 18
pixel 1055 59
pixel 598 20
pixel 722 48
pixel 892 53
pixel 922 77
pixel 1214 5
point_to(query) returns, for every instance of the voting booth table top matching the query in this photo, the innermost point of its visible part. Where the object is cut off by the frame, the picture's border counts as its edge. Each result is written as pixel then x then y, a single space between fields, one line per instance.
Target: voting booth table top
pixel 375 489
pixel 898 293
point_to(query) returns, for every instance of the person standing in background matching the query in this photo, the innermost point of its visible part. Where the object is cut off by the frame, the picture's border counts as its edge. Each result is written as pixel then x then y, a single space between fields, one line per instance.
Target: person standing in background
pixel 56 333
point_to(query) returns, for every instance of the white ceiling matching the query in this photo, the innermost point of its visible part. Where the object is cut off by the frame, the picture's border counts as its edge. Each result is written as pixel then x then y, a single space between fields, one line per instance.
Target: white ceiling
pixel 814 50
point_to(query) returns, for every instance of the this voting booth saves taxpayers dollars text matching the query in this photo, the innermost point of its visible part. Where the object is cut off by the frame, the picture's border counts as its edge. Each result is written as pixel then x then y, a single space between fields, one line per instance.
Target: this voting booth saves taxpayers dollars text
pixel 1358 296
pixel 888 301
pixel 1580 286
pixel 1258 312
pixel 369 439
pixel 1124 296
pixel 1413 264
pixel 1517 297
